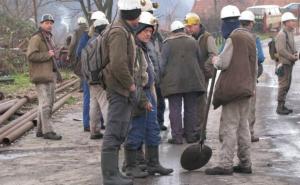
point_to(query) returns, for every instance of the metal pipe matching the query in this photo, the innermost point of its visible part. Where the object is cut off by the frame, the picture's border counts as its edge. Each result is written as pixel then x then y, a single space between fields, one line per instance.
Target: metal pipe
pixel 25 125
pixel 12 110
pixel 22 101
pixel 7 105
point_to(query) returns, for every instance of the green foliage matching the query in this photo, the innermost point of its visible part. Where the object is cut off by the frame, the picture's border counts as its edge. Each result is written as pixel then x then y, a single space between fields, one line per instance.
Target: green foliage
pixel 20 85
pixel 71 101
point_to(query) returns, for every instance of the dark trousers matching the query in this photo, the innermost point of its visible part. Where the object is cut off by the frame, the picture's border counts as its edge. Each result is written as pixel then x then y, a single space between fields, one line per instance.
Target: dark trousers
pixel 284 82
pixel 190 118
pixel 118 118
pixel 161 106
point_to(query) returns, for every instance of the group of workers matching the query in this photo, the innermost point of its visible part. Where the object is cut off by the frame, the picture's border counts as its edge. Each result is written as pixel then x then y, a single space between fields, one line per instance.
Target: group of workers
pixel 142 69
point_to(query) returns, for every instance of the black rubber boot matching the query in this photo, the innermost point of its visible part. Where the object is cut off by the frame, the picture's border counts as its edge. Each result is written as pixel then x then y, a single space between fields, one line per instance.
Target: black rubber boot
pixel 110 170
pixel 218 171
pixel 153 165
pixel 131 168
pixel 281 110
pixel 140 158
pixel 241 169
pixel 52 136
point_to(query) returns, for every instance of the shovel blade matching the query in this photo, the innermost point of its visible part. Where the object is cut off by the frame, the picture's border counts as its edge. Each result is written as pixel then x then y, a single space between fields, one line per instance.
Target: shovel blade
pixel 195 157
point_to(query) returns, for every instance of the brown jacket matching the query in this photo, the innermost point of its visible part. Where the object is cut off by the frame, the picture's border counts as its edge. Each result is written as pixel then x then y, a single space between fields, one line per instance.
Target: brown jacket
pixel 237 81
pixel 181 69
pixel 286 48
pixel 40 63
pixel 208 49
pixel 120 55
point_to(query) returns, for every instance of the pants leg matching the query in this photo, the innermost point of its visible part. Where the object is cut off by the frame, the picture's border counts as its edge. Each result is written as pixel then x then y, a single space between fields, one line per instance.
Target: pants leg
pixel 102 100
pixel 233 115
pixel 45 93
pixel 161 106
pixel 86 105
pixel 190 114
pixel 136 133
pixel 95 113
pixel 243 136
pixel 118 117
pixel 152 137
pixel 175 106
pixel 251 117
pixel 284 82
pixel 202 101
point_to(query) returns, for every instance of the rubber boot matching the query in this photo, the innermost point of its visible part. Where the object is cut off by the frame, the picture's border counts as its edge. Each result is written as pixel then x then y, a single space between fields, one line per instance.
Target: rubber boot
pixel 132 169
pixel 153 165
pixel 290 110
pixel 140 158
pixel 280 109
pixel 110 170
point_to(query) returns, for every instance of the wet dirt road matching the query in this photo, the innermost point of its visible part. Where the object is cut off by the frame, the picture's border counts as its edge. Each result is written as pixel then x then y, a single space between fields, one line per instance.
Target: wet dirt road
pixel 76 159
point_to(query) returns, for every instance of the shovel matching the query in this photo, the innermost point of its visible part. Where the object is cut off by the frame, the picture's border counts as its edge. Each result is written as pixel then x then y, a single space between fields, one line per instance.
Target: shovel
pixel 197 155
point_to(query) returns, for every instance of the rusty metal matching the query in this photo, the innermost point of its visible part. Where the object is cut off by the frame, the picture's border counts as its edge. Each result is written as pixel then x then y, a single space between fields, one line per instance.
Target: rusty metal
pixel 12 110
pixel 27 98
pixel 26 124
pixel 7 105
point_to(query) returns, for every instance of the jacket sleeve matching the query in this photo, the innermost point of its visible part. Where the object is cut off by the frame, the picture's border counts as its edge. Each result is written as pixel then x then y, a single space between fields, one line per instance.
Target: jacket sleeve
pixel 33 52
pixel 212 51
pixel 164 55
pixel 260 52
pixel 281 47
pixel 119 59
pixel 82 43
pixel 224 58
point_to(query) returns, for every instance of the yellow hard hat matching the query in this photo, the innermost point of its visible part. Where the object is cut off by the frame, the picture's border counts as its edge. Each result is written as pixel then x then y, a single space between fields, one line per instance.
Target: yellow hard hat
pixel 192 19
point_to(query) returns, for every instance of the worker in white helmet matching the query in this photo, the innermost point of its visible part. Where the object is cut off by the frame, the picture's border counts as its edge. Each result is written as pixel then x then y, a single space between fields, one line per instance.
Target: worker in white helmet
pixel 287 56
pixel 181 64
pixel 247 20
pixel 82 27
pixel 144 127
pixel 120 86
pixel 234 88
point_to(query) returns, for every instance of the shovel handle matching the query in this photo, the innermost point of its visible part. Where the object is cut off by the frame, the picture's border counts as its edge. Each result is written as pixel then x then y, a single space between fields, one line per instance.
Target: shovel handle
pixel 211 89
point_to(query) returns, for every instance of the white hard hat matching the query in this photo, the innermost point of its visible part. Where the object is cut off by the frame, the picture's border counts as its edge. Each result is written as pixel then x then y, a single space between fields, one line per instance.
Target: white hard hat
pixel 147 5
pixel 147 18
pixel 99 22
pixel 247 16
pixel 176 25
pixel 97 15
pixel 230 11
pixel 288 16
pixel 129 4
pixel 81 20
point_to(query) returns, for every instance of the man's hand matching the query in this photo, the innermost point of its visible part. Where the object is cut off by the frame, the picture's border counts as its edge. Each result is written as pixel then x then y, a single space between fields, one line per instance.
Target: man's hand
pixel 214 59
pixel 132 88
pixel 148 107
pixel 51 53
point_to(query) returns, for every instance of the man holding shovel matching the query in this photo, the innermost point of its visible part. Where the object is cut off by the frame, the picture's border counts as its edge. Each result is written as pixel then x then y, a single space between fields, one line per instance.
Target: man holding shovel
pixel 234 88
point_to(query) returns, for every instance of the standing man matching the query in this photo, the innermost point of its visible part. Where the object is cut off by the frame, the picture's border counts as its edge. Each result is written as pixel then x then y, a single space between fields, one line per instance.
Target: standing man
pixel 287 55
pixel 247 20
pixel 233 90
pixel 182 79
pixel 120 87
pixel 82 27
pixel 208 49
pixel 42 70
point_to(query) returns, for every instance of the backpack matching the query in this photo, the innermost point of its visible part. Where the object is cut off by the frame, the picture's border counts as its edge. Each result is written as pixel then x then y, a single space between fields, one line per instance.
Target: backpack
pixel 93 59
pixel 272 48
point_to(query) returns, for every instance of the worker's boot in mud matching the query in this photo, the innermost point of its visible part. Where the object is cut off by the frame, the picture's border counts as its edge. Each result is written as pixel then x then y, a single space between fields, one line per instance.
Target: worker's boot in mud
pixel 52 136
pixel 110 169
pixel 241 169
pixel 131 168
pixel 153 164
pixel 140 159
pixel 281 110
pixel 218 171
